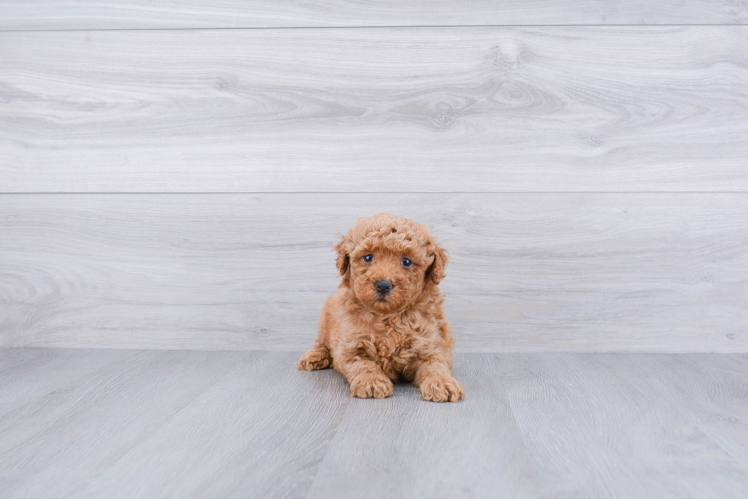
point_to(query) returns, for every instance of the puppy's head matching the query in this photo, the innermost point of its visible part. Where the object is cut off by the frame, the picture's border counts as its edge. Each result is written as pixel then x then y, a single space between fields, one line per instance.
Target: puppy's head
pixel 389 261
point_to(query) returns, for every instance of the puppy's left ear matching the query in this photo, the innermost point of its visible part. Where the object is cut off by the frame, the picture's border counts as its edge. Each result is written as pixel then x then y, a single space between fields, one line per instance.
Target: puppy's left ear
pixel 438 269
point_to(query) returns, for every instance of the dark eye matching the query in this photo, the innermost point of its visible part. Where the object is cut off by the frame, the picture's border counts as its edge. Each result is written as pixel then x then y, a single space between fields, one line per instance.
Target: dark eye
pixel 368 258
pixel 406 262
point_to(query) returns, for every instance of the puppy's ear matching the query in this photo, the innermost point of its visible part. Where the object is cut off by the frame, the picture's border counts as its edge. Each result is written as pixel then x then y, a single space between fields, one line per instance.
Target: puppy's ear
pixel 438 269
pixel 343 261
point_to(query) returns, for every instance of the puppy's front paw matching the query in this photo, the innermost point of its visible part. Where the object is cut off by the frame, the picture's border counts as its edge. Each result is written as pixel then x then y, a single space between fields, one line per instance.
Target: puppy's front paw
pixel 314 360
pixel 371 386
pixel 441 389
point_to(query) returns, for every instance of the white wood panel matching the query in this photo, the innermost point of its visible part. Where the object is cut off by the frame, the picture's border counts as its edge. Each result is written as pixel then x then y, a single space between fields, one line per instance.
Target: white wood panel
pixel 393 110
pixel 563 271
pixel 124 14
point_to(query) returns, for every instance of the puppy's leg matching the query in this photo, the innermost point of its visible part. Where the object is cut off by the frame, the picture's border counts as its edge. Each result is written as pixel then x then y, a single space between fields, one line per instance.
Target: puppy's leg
pixel 436 382
pixel 366 378
pixel 317 358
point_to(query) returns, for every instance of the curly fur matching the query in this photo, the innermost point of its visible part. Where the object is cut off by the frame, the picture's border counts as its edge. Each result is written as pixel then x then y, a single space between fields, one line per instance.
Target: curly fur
pixel 374 341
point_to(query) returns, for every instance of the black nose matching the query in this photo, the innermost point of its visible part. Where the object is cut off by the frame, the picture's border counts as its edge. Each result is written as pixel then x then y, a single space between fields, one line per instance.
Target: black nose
pixel 383 286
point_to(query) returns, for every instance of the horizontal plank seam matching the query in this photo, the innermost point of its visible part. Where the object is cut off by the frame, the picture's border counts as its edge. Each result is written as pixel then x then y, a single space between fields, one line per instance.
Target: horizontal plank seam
pixel 450 26
pixel 27 193
pixel 457 350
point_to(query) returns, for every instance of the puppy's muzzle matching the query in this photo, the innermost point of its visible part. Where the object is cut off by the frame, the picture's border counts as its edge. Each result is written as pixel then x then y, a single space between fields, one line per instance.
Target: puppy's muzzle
pixel 383 287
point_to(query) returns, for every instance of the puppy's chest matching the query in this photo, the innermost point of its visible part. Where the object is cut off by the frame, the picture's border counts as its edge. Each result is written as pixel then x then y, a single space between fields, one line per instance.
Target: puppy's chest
pixel 398 340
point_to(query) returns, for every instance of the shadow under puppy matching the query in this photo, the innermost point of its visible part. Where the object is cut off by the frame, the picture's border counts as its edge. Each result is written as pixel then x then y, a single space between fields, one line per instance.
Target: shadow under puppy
pixel 386 323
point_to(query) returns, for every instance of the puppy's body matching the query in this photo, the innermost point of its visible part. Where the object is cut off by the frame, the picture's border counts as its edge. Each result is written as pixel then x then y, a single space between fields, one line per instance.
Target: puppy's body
pixel 387 323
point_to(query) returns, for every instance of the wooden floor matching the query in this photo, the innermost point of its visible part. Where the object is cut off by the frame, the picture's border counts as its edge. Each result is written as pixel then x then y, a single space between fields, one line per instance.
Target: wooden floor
pixel 125 423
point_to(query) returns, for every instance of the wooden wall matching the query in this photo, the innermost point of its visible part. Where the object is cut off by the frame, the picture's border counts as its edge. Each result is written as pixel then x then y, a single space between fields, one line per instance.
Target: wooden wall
pixel 174 174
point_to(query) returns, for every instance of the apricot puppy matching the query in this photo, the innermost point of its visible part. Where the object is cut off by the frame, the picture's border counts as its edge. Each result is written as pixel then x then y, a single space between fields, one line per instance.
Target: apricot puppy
pixel 386 322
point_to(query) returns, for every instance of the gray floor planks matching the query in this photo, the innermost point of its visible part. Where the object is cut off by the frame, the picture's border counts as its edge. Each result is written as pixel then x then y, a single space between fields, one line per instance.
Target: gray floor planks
pixel 637 442
pixel 188 424
pixel 717 395
pixel 87 426
pixel 564 271
pixel 260 431
pixel 635 108
pixel 165 14
pixel 406 447
pixel 28 374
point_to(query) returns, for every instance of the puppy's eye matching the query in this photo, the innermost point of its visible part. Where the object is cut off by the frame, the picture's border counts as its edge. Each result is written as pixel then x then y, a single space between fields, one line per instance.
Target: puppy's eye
pixel 368 258
pixel 406 262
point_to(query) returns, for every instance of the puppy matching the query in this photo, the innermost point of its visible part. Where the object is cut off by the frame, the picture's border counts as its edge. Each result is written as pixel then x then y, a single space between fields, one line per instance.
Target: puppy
pixel 386 323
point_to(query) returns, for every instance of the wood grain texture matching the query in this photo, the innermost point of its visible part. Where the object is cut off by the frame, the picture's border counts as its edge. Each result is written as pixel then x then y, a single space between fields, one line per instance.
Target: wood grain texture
pixel 164 14
pixel 553 425
pixel 49 444
pixel 628 431
pixel 27 374
pixel 404 447
pixel 247 424
pixel 716 394
pixel 260 431
pixel 375 110
pixel 544 272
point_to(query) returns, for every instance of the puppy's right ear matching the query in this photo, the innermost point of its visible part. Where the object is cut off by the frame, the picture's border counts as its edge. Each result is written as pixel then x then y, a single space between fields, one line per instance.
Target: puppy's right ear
pixel 343 261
